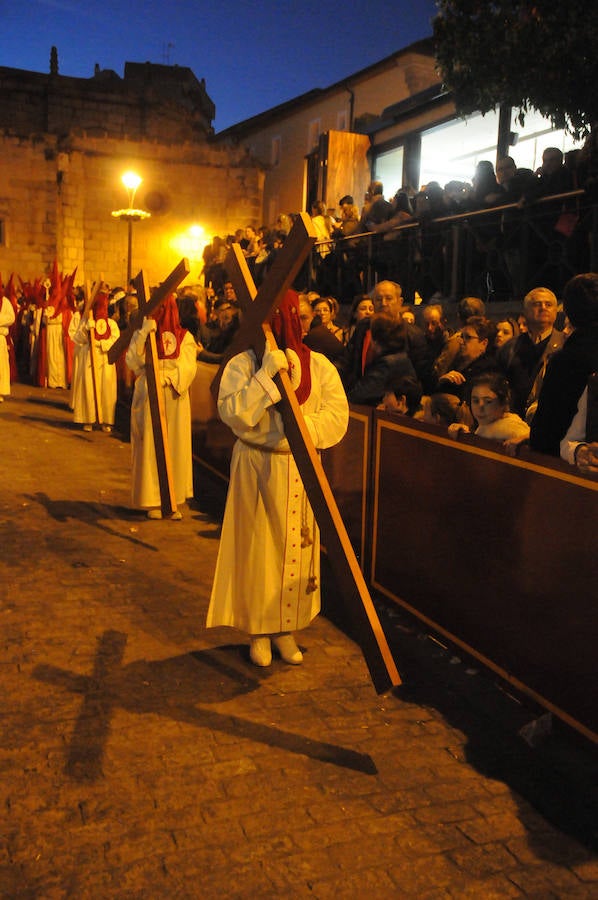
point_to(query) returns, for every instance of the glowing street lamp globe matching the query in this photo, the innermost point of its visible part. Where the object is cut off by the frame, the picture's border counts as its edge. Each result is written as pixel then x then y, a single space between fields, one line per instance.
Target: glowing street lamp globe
pixel 131 181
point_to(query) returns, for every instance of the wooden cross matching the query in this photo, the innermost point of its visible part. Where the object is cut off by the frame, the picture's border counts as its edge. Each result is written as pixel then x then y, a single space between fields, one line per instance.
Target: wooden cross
pixel 170 284
pixel 257 308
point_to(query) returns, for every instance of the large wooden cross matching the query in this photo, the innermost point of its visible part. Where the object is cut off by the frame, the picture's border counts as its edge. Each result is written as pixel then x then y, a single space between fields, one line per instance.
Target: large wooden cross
pixel 154 390
pixel 257 307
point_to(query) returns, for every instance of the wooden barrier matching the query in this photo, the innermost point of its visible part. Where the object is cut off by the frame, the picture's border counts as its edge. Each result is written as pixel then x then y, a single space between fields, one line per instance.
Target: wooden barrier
pixel 497 555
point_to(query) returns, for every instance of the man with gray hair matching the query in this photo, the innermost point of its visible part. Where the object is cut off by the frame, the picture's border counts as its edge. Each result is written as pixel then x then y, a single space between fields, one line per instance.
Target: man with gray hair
pixel 523 359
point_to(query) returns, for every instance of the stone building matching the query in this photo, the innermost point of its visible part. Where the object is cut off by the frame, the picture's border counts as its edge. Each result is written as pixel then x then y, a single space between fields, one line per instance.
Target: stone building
pixel 64 145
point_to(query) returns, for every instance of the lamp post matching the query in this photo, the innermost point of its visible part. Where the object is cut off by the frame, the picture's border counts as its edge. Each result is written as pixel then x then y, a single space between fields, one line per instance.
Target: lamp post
pixel 131 182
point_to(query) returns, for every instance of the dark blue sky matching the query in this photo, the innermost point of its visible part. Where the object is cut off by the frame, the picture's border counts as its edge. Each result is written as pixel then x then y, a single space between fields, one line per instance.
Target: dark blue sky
pixel 252 55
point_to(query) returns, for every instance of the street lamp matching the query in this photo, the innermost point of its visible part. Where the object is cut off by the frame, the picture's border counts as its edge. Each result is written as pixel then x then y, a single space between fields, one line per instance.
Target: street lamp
pixel 131 182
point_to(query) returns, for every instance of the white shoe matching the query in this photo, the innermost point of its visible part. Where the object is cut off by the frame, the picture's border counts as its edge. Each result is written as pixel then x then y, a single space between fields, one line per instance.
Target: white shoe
pixel 288 649
pixel 88 428
pixel 154 513
pixel 260 651
pixel 107 429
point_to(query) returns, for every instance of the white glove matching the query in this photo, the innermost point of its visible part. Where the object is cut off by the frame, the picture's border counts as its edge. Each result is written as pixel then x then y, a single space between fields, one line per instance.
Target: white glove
pixel 294 368
pixel 165 380
pixel 148 326
pixel 90 324
pixel 273 362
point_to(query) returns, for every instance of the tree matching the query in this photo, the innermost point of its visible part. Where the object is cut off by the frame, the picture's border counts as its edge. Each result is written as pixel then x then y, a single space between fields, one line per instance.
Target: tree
pixel 528 54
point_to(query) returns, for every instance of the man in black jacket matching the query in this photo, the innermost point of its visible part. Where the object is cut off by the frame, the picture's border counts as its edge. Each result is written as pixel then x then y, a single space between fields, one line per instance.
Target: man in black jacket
pixel 568 370
pixel 523 359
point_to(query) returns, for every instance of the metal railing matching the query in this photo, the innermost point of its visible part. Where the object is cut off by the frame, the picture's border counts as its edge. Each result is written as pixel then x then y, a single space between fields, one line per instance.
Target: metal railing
pixel 497 253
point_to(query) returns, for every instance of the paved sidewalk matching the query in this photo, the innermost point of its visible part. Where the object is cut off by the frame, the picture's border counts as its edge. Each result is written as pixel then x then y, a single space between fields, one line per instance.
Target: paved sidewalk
pixel 142 756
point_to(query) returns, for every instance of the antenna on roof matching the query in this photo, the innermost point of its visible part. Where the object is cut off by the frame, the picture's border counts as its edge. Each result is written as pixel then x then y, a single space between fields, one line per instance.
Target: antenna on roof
pixel 166 48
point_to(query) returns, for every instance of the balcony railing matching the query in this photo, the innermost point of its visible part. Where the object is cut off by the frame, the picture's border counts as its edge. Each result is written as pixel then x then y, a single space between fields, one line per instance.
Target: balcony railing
pixel 497 254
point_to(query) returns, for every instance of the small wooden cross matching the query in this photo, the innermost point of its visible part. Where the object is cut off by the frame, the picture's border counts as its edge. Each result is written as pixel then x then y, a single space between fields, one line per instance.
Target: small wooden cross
pixel 170 284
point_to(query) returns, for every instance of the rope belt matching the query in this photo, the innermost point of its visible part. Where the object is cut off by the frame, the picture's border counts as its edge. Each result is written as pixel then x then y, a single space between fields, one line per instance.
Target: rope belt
pixel 264 449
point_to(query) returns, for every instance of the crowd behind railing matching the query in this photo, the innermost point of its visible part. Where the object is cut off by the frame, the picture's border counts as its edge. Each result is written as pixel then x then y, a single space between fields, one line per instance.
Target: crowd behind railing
pixel 496 237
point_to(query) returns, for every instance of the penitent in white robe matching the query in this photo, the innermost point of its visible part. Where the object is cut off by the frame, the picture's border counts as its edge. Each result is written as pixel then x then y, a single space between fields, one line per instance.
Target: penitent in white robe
pixel 82 395
pixel 7 317
pixel 56 355
pixel 267 576
pixel 145 486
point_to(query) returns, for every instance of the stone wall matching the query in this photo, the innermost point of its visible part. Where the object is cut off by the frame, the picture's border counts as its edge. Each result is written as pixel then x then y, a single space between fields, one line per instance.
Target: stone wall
pixel 62 158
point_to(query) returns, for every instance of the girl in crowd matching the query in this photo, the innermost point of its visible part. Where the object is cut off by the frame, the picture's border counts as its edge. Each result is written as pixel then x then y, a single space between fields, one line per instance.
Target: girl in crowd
pixel 488 401
pixel 363 308
pixel 505 330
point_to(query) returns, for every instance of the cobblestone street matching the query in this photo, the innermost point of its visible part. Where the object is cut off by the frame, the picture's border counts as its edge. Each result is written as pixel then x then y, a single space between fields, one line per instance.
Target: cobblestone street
pixel 142 756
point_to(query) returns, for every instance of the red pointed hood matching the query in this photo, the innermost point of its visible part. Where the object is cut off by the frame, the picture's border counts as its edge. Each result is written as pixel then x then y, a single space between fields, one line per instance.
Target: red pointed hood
pixel 286 326
pixel 169 333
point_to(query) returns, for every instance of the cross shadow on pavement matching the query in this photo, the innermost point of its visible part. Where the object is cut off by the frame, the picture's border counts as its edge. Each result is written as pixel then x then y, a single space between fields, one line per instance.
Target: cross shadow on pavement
pixel 95 514
pixel 176 688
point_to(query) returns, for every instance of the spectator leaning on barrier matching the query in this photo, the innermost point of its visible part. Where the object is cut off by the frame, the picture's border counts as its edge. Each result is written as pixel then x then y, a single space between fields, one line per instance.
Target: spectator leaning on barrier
pixel 488 399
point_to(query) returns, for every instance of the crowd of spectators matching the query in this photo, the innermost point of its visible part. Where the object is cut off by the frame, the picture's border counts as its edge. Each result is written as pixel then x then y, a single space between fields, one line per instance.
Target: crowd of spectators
pixel 509 379
pixel 366 239
pixel 409 237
